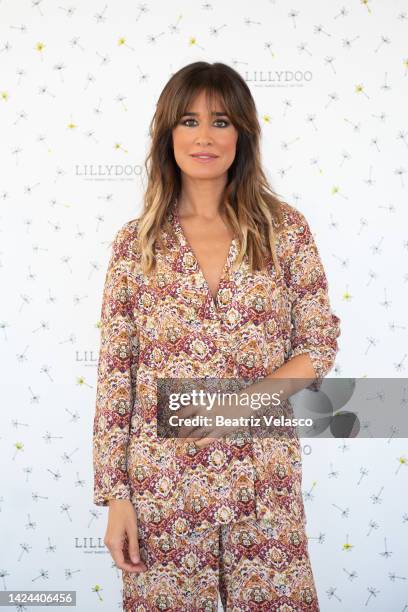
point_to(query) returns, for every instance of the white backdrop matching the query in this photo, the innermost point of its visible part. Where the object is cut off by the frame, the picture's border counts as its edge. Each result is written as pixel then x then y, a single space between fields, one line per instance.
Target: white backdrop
pixel 78 86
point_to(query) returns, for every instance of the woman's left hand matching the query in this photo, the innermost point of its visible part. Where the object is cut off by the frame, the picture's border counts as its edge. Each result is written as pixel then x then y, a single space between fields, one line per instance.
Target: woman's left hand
pixel 201 436
pixel 194 435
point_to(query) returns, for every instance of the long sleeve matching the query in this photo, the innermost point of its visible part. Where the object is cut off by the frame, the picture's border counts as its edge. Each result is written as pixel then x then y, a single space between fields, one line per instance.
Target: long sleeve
pixel 315 328
pixel 117 367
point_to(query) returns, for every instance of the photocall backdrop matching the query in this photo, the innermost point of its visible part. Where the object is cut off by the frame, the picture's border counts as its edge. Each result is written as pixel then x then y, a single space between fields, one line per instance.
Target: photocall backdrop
pixel 78 84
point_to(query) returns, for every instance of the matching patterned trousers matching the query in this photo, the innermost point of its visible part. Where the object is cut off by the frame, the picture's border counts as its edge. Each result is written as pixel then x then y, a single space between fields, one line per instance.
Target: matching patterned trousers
pixel 250 564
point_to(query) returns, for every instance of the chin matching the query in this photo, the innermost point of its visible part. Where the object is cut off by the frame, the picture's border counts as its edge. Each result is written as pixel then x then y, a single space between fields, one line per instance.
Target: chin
pixel 203 172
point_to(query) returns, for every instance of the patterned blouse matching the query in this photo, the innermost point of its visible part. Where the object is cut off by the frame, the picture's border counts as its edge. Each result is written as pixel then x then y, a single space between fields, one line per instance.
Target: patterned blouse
pixel 169 325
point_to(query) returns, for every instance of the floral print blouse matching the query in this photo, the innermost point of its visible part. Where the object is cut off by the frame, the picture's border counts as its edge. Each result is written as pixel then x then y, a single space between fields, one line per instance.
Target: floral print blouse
pixel 169 325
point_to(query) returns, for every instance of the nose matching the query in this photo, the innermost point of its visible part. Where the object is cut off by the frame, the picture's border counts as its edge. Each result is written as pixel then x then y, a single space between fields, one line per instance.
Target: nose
pixel 203 136
pixel 203 141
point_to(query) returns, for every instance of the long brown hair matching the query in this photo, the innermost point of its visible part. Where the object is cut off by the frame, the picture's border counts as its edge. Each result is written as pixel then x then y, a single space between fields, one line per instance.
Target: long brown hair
pixel 252 208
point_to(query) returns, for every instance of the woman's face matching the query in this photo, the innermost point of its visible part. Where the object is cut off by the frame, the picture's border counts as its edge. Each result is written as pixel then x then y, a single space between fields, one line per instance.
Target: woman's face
pixel 199 132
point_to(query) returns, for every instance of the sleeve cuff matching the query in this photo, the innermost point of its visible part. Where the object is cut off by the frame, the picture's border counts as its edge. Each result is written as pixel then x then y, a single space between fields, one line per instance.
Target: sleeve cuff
pixel 120 491
pixel 318 365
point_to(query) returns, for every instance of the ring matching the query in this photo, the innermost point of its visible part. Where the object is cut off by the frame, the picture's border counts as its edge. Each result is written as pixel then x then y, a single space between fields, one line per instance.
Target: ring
pixel 192 448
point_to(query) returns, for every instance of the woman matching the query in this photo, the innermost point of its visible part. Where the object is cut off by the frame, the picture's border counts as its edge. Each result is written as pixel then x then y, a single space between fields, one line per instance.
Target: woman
pixel 216 278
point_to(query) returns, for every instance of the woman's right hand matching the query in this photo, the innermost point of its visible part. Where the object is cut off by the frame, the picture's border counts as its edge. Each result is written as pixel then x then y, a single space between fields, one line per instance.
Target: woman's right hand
pixel 121 537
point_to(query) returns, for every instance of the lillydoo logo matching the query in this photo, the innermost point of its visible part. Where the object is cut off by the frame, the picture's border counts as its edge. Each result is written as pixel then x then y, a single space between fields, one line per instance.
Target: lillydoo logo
pixel 107 172
pixel 86 357
pixel 90 545
pixel 278 78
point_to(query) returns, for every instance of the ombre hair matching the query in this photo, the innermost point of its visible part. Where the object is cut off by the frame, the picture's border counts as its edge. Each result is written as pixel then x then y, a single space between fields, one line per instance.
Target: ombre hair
pixel 252 209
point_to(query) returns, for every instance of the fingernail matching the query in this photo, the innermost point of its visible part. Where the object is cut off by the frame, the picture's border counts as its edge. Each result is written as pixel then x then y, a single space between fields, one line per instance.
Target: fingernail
pixel 135 559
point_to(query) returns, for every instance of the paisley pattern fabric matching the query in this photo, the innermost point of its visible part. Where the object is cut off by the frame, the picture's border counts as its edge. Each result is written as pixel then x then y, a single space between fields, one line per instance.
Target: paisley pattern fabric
pixel 253 565
pixel 168 325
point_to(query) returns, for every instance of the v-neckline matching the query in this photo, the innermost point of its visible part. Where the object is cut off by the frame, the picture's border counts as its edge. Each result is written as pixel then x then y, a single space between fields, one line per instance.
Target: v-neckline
pixel 187 245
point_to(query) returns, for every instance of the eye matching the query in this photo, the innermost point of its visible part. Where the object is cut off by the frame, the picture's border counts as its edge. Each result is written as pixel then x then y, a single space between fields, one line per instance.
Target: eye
pixel 224 121
pixel 184 122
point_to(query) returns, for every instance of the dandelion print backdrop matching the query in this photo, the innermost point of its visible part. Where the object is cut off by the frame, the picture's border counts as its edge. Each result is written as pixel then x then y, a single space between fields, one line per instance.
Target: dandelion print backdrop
pixel 78 84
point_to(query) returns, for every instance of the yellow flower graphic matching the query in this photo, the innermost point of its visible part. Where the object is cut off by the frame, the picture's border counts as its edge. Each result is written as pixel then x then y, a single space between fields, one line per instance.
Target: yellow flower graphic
pixel 97 589
pixel 336 190
pixel 360 89
pixel 81 381
pixel 122 42
pixel 119 146
pixel 192 41
pixel 365 2
pixel 402 461
pixel 19 446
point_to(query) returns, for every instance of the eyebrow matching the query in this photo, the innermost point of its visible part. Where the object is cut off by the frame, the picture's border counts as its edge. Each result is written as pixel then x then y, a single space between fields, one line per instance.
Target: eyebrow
pixel 216 113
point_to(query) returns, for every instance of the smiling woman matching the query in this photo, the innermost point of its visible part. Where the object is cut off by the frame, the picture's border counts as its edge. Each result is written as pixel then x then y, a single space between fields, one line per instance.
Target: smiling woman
pixel 205 136
pixel 206 155
pixel 217 279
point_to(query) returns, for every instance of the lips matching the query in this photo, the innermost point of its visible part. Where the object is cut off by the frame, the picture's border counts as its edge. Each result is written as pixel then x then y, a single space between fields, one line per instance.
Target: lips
pixel 204 155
